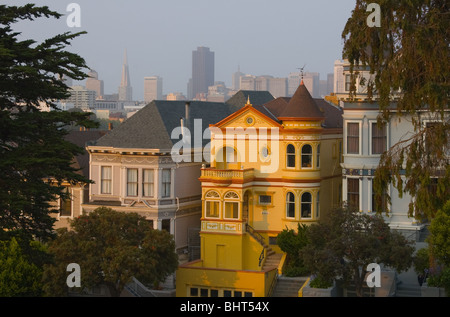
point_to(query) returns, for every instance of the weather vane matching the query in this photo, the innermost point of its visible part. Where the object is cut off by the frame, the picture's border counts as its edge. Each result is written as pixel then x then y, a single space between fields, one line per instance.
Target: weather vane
pixel 301 70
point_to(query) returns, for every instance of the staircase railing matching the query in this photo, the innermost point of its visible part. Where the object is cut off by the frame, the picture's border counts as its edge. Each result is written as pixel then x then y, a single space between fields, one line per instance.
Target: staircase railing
pixel 255 235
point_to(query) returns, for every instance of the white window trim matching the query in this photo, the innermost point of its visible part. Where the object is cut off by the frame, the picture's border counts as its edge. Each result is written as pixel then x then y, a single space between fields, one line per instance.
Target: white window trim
pixel 370 137
pixel 101 180
pixel 346 141
pixel 219 208
pixel 345 190
pixel 231 201
pixel 141 174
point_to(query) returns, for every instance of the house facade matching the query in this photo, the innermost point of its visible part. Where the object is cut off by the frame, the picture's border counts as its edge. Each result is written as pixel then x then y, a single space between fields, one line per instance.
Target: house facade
pixel 272 167
pixel 364 143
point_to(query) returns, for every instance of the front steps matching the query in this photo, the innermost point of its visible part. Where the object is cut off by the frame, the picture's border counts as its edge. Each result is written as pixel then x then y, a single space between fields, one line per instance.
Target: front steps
pixel 288 286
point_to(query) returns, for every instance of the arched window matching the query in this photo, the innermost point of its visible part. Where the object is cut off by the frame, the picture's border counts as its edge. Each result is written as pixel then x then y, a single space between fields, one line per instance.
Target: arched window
pixel 290 205
pixel 290 156
pixel 231 205
pixel 306 203
pixel 318 157
pixel 212 204
pixel 306 156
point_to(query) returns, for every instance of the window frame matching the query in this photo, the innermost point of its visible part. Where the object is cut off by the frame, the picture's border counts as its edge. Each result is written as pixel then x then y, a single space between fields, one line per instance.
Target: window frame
pixel 358 179
pixel 135 183
pixel 310 203
pixel 288 155
pixel 106 180
pixel 310 155
pixel 234 201
pixel 347 137
pixel 165 185
pixel 371 138
pixel 289 204
pixel 145 183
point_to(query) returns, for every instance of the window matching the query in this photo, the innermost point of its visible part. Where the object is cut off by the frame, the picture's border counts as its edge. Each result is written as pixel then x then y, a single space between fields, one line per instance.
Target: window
pixel 265 199
pixel 165 225
pixel 194 291
pixel 148 183
pixel 106 179
pixel 353 192
pixel 352 138
pixel 231 210
pixel 318 205
pixel 348 82
pixel 212 209
pixel 379 208
pixel 307 156
pixel 166 182
pixel 290 205
pixel 66 204
pixel 318 157
pixel 290 156
pixel 203 292
pixel 132 182
pixel 378 139
pixel 231 207
pixel 306 203
pixel 214 293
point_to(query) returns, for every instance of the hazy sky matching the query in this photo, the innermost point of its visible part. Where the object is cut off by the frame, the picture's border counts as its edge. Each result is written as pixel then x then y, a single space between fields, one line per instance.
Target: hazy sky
pixel 264 37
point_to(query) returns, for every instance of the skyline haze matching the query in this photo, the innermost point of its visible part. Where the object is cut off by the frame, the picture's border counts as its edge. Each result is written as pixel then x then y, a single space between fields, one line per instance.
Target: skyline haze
pixel 261 37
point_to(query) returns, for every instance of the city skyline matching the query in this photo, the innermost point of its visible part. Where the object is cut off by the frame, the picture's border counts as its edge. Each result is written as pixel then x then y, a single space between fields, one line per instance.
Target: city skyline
pixel 260 37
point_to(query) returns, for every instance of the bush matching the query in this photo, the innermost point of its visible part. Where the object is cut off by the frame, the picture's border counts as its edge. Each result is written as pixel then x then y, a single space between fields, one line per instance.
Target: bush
pixel 319 282
pixel 421 261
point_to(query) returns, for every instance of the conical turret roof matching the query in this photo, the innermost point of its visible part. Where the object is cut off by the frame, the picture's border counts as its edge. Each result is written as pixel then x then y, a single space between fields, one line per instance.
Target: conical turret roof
pixel 301 106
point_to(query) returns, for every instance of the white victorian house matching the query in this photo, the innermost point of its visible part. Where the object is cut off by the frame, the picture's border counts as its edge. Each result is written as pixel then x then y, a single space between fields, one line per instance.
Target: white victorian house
pixel 363 144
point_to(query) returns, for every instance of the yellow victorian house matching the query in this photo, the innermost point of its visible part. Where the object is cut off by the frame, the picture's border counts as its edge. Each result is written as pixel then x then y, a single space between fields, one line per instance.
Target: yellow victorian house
pixel 272 167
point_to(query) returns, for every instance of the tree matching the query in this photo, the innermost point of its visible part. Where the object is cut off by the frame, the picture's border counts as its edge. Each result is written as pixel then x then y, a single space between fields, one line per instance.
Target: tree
pixel 409 54
pixel 111 248
pixel 19 276
pixel 292 242
pixel 345 243
pixel 34 156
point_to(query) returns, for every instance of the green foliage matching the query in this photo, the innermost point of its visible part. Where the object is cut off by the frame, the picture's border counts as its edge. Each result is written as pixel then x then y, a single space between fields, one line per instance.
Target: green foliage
pixel 439 239
pixel 34 156
pixel 408 53
pixel 421 261
pixel 292 242
pixel 320 282
pixel 346 242
pixel 19 276
pixel 111 247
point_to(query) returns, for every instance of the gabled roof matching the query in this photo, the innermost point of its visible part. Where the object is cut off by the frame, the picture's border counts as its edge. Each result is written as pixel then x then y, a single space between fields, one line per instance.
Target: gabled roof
pixel 301 107
pixel 242 96
pixel 152 126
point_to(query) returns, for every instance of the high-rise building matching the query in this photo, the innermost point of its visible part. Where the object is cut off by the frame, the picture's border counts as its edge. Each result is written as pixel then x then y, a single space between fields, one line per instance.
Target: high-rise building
pixel 202 70
pixel 125 90
pixel 80 97
pixel 153 88
pixel 93 83
pixel 236 79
